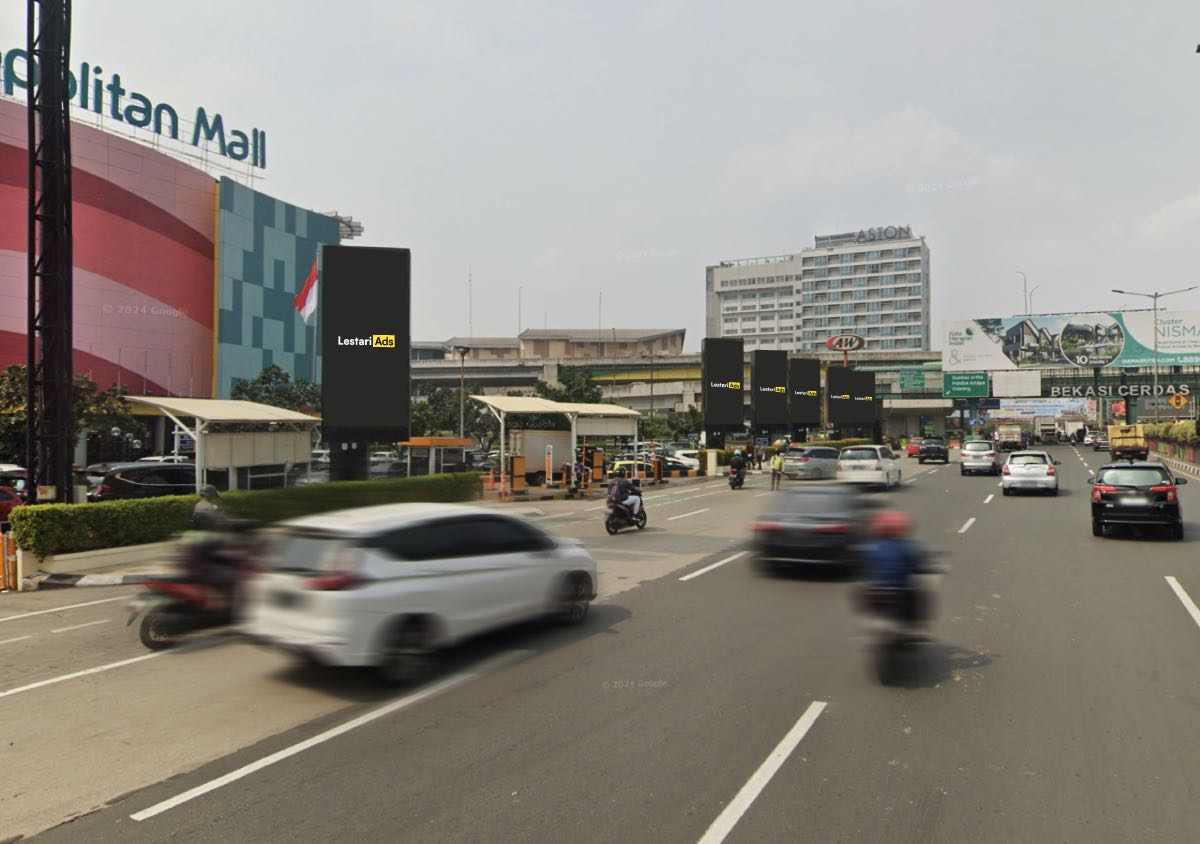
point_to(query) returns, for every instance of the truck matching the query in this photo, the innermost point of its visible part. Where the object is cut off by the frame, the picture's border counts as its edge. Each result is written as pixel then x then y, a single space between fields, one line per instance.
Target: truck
pixel 1128 442
pixel 532 445
pixel 1045 429
pixel 1008 437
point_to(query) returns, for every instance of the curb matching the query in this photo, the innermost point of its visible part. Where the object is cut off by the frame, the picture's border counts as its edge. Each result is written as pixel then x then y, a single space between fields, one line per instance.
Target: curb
pixel 60 580
pixel 1178 465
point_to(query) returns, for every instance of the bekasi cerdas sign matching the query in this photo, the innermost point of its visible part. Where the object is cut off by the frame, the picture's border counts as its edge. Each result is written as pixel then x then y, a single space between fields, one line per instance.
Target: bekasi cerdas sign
pixel 88 90
pixel 1119 390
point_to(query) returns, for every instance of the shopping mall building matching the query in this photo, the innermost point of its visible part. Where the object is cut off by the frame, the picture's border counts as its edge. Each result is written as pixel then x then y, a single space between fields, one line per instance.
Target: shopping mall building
pixel 184 278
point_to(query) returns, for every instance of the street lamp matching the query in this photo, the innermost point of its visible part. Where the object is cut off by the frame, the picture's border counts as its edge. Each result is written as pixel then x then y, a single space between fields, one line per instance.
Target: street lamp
pixel 1154 297
pixel 651 355
pixel 1028 293
pixel 462 390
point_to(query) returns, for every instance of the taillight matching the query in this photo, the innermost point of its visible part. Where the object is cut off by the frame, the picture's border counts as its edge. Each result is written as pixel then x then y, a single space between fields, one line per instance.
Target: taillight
pixel 1050 470
pixel 336 581
pixel 1005 470
pixel 839 465
pixel 1099 489
pixel 878 464
pixel 989 454
pixel 835 528
pixel 802 459
pixel 1169 490
pixel 767 526
pixel 104 489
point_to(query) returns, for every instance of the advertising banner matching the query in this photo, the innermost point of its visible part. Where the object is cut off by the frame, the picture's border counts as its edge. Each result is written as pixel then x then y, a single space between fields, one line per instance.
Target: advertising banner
pixel 804 391
pixel 1163 407
pixel 722 366
pixel 1086 340
pixel 1016 385
pixel 850 395
pixel 365 332
pixel 768 388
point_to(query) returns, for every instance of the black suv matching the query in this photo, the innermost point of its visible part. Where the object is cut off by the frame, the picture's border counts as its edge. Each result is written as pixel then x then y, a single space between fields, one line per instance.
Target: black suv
pixel 1136 494
pixel 145 480
pixel 934 448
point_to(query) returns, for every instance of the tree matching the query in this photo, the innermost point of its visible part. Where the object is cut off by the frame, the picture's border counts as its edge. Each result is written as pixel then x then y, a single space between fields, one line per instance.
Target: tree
pixel 275 387
pixel 435 413
pixel 575 385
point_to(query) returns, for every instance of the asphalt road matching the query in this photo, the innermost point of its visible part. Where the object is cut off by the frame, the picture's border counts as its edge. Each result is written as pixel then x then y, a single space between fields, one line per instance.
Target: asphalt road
pixel 1058 703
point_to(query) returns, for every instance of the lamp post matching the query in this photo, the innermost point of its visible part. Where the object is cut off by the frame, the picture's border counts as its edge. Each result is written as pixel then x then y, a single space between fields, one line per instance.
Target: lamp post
pixel 1154 297
pixel 462 388
pixel 1028 294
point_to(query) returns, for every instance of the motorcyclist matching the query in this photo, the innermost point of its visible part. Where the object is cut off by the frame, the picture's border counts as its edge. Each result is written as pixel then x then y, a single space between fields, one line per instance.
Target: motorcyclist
pixel 737 463
pixel 892 558
pixel 207 552
pixel 622 491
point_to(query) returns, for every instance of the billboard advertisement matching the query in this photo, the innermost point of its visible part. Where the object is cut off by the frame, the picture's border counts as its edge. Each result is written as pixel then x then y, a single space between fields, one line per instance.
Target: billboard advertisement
pixel 851 396
pixel 365 340
pixel 1017 385
pixel 768 388
pixel 722 369
pixel 1084 340
pixel 804 392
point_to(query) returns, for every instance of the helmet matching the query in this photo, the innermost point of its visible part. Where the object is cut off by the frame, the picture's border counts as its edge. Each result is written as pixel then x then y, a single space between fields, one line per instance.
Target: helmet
pixel 209 493
pixel 737 453
pixel 892 523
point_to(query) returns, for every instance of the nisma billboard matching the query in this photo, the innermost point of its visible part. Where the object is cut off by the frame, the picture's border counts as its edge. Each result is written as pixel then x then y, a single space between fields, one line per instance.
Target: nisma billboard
pixel 1090 340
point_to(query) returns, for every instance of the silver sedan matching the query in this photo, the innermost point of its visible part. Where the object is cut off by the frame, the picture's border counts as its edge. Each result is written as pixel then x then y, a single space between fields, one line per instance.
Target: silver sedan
pixel 1030 470
pixel 810 462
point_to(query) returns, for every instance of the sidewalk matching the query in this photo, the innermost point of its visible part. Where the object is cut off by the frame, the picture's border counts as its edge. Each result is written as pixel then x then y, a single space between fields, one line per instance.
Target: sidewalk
pixel 1176 464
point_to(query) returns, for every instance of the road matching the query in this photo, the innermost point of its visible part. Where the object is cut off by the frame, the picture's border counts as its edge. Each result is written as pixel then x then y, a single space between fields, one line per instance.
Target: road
pixel 699 702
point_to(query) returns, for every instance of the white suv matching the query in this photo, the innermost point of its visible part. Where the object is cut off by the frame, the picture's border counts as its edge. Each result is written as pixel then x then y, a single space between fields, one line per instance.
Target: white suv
pixel 868 464
pixel 388 585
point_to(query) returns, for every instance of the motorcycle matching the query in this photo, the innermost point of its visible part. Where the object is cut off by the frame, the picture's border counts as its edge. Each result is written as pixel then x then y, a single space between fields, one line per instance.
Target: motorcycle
pixel 897 621
pixel 621 515
pixel 208 595
pixel 736 478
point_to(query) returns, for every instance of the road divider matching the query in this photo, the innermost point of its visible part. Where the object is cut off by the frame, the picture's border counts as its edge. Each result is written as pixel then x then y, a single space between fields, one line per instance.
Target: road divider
pixel 749 792
pixel 715 565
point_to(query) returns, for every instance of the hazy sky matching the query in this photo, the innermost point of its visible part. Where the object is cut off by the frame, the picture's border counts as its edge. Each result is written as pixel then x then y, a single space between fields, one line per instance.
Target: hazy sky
pixel 577 147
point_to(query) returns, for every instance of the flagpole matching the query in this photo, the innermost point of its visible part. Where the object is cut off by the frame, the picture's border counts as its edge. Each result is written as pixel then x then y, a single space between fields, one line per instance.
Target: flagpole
pixel 316 319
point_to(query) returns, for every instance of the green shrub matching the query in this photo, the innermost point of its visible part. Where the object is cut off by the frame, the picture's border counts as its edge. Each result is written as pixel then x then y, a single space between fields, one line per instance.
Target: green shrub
pixel 45 529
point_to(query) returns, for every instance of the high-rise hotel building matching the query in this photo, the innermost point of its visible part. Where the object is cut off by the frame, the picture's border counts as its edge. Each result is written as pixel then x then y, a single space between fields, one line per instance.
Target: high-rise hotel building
pixel 872 282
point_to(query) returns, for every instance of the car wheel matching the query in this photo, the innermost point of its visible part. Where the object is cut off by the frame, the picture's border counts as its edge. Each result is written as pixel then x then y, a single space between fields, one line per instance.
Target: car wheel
pixel 1097 528
pixel 573 600
pixel 962 471
pixel 1006 491
pixel 920 459
pixel 406 656
pixel 1177 531
pixel 1054 492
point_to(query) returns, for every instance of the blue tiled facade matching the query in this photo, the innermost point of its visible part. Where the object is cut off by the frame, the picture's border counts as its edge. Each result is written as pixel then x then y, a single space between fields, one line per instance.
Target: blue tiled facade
pixel 265 248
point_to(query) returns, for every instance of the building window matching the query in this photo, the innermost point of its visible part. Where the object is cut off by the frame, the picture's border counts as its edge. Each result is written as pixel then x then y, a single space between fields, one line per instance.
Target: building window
pixel 860 294
pixel 820 260
pixel 888 344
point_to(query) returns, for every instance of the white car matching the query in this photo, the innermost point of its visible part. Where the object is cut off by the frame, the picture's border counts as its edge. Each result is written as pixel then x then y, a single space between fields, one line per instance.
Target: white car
pixel 868 464
pixel 387 586
pixel 689 456
pixel 1088 439
pixel 384 457
pixel 1032 470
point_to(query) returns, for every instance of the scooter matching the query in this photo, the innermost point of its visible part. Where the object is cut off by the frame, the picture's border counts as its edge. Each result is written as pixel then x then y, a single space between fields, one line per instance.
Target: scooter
pixel 896 622
pixel 621 516
pixel 736 478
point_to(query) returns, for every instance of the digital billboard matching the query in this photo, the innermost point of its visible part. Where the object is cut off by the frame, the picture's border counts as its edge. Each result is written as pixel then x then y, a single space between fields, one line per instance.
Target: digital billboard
pixel 768 388
pixel 722 369
pixel 851 396
pixel 1086 340
pixel 365 336
pixel 804 392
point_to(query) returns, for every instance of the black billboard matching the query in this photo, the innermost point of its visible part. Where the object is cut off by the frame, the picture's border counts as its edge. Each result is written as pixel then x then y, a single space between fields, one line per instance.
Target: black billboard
pixel 851 396
pixel 804 392
pixel 768 389
pixel 722 369
pixel 365 341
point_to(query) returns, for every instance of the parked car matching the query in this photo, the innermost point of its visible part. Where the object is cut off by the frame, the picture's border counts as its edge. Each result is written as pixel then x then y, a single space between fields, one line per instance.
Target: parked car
pixel 388 586
pixel 384 456
pixel 145 480
pixel 1089 438
pixel 914 447
pixel 320 458
pixel 690 456
pixel 934 448
pixel 1100 443
pixel 978 456
pixel 9 499
pixel 809 462
pixel 1029 470
pixel 1136 494
pixel 821 524
pixel 868 464
pixel 168 458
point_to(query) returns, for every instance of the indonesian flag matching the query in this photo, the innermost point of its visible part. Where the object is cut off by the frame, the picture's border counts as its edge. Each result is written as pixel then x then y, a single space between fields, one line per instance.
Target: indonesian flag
pixel 306 299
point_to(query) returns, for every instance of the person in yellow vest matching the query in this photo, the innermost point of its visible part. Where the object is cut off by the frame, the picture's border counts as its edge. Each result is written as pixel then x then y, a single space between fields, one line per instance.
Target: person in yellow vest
pixel 777 470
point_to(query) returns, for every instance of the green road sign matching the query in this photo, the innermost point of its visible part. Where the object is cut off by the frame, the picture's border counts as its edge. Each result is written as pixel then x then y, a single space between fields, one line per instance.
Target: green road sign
pixel 965 385
pixel 912 379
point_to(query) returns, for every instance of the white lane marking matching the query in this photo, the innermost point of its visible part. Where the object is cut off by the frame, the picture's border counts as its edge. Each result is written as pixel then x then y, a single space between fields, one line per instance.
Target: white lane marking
pixel 737 807
pixel 988 500
pixel 1000 484
pixel 967 526
pixel 85 624
pixel 715 565
pixel 761 494
pixel 18 639
pixel 911 481
pixel 685 515
pixel 1091 471
pixel 933 471
pixel 67 607
pixel 374 715
pixel 85 672
pixel 592 509
pixel 1188 603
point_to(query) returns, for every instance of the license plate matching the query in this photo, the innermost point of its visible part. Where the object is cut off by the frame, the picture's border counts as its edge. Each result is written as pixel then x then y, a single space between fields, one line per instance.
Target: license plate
pixel 1135 501
pixel 285 599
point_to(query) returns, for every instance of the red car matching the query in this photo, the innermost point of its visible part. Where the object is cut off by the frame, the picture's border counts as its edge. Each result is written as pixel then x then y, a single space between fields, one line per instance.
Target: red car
pixel 914 446
pixel 8 500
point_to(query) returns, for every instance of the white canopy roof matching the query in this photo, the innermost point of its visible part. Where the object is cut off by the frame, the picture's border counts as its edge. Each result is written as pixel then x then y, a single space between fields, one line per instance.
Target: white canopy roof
pixel 533 404
pixel 221 410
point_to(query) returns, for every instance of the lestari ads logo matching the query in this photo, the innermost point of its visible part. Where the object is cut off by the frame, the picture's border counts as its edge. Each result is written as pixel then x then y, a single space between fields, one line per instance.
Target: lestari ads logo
pixel 375 341
pixel 725 385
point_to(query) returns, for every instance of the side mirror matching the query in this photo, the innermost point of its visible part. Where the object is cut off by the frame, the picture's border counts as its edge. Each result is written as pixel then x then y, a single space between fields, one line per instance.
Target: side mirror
pixel 1091 480
pixel 1180 481
pixel 1057 462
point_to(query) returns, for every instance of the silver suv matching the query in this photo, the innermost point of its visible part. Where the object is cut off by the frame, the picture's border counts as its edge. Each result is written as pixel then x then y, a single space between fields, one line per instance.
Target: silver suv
pixel 979 456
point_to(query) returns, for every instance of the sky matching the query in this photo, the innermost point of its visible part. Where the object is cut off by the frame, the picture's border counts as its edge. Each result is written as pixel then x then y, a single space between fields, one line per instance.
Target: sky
pixel 564 152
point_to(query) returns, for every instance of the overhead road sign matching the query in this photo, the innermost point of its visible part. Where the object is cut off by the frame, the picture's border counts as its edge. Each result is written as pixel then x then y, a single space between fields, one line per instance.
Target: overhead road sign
pixel 965 385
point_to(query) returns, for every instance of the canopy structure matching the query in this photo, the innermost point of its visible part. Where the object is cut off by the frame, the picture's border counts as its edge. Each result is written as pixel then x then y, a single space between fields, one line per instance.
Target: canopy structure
pixel 597 419
pixel 288 441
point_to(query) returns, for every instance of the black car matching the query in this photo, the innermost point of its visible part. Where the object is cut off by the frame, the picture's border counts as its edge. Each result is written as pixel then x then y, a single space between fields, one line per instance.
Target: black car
pixel 1136 494
pixel 934 448
pixel 811 525
pixel 145 480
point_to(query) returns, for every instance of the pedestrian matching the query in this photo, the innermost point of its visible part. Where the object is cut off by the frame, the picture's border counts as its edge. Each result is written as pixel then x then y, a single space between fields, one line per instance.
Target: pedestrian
pixel 777 470
pixel 749 454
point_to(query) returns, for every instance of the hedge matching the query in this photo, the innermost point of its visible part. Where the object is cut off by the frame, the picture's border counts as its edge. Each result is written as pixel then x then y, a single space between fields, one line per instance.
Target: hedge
pixel 45 529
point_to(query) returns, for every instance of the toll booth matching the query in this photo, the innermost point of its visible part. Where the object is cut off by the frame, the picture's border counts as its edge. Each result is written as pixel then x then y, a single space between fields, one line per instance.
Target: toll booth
pixel 516 472
pixel 434 455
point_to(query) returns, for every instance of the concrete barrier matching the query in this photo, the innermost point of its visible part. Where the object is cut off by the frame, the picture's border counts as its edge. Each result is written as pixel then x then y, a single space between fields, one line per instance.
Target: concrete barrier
pixel 103 558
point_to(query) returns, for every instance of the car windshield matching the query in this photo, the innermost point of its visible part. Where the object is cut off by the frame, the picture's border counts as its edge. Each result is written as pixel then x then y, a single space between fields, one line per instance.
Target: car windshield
pixel 977 447
pixel 829 502
pixel 860 454
pixel 934 440
pixel 1027 459
pixel 1133 476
